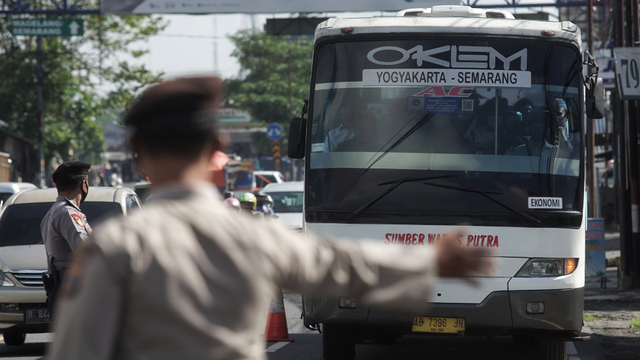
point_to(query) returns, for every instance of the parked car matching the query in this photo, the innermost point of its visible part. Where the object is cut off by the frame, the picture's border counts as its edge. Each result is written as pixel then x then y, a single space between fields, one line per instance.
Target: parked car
pixel 287 202
pixel 23 258
pixel 9 188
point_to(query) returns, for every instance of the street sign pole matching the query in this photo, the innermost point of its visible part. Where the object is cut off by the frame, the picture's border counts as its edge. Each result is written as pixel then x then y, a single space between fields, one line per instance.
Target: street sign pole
pixel 628 89
pixel 274 133
pixel 275 147
pixel 40 28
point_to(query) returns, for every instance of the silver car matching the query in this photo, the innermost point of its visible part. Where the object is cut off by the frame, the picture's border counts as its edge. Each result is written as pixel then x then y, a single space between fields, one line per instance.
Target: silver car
pixel 23 259
pixel 287 202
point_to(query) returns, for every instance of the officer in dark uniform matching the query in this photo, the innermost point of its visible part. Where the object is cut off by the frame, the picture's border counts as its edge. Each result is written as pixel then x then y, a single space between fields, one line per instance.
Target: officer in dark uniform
pixel 65 227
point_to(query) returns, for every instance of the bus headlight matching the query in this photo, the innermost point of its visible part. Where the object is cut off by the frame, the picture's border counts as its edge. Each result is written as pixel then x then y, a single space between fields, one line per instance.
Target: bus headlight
pixel 548 267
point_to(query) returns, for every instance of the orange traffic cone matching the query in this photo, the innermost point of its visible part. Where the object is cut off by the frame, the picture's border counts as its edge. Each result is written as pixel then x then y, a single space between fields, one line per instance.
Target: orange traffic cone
pixel 276 329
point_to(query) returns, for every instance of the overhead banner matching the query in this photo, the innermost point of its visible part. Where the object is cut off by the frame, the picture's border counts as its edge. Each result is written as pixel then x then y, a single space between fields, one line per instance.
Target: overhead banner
pixel 260 6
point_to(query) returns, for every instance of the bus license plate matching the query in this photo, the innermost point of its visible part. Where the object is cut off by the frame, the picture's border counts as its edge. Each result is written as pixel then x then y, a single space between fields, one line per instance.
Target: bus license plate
pixel 441 325
pixel 37 316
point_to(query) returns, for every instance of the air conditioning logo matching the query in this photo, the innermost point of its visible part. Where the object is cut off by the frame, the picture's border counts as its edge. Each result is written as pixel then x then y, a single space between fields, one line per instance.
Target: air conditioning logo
pixel 464 66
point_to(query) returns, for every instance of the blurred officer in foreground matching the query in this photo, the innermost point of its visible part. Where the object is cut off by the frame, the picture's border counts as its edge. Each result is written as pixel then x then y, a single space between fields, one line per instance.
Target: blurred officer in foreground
pixel 65 227
pixel 187 279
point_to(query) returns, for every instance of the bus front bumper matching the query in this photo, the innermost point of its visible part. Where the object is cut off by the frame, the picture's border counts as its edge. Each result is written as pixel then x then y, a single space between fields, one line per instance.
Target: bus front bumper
pixel 500 313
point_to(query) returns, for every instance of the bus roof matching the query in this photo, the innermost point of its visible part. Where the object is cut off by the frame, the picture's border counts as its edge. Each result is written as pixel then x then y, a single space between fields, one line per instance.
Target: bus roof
pixel 452 20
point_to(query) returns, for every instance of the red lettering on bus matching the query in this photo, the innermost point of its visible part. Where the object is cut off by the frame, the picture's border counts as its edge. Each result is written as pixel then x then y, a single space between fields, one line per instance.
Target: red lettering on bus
pixel 482 240
pixel 433 90
pixel 401 239
pixel 457 91
pixel 432 239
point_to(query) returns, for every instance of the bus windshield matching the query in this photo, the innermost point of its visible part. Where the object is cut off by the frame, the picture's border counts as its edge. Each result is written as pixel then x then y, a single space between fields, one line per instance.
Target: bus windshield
pixel 446 131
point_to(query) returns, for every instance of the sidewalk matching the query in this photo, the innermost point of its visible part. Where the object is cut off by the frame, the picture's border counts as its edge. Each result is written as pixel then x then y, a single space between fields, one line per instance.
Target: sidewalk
pixel 606 288
pixel 594 290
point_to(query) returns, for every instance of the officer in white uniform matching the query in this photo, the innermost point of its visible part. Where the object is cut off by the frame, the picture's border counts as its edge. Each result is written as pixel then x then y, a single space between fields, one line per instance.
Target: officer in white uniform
pixel 187 278
pixel 65 227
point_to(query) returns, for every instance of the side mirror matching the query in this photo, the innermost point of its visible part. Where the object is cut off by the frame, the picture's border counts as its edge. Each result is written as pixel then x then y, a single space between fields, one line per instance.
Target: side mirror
pixel 297 136
pixel 595 98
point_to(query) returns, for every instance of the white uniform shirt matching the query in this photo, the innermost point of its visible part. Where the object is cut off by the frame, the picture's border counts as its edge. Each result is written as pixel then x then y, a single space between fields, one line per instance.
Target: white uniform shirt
pixel 337 136
pixel 63 229
pixel 188 278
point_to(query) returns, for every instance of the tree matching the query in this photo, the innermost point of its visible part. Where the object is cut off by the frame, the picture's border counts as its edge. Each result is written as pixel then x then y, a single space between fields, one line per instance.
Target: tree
pixel 75 71
pixel 274 71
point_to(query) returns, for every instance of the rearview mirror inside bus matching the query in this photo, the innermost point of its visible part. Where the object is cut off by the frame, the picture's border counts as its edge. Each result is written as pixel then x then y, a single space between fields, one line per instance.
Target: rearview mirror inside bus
pixel 297 132
pixel 595 99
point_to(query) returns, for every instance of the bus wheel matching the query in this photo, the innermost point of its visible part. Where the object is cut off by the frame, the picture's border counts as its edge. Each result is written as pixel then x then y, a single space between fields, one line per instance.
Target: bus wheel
pixel 338 342
pixel 552 349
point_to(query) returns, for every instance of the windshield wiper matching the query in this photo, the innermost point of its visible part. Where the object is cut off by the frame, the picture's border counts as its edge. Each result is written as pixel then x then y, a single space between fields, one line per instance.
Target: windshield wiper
pixel 377 157
pixel 395 183
pixel 486 194
pixel 402 138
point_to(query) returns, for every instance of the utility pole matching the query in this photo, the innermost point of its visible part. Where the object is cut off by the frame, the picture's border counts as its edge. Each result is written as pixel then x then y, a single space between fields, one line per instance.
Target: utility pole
pixel 215 45
pixel 591 183
pixel 626 117
pixel 633 113
pixel 40 111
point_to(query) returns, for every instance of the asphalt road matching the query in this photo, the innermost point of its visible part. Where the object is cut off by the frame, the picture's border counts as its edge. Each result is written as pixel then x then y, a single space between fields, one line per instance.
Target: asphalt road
pixel 33 348
pixel 307 345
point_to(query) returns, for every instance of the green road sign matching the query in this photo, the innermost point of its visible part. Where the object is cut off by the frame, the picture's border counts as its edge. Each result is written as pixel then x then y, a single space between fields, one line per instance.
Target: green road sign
pixel 47 27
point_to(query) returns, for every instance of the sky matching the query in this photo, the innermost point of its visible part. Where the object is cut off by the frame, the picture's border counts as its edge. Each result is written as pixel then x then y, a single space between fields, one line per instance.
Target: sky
pixel 192 43
pixel 197 44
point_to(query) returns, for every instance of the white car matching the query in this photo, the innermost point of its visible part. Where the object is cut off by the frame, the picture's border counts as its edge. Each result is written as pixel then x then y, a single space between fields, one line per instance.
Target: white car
pixel 264 178
pixel 287 202
pixel 23 258
pixel 9 188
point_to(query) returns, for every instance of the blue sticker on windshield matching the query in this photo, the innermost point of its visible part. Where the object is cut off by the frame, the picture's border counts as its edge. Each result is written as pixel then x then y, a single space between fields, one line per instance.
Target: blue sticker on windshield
pixel 415 105
pixel 441 106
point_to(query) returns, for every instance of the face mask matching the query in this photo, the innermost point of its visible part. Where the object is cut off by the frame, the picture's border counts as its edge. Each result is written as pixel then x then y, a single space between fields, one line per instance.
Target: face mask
pixel 84 193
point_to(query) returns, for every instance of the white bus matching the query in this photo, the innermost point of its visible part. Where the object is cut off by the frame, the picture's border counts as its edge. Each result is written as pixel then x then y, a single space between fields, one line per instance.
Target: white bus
pixel 445 118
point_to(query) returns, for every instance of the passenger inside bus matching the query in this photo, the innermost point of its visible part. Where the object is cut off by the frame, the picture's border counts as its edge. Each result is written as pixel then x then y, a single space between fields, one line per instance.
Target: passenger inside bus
pixel 562 115
pixel 493 120
pixel 536 140
pixel 356 132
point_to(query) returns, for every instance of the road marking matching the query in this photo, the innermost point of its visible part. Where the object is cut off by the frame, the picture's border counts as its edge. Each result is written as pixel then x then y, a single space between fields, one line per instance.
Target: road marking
pixel 277 346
